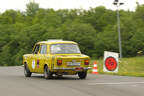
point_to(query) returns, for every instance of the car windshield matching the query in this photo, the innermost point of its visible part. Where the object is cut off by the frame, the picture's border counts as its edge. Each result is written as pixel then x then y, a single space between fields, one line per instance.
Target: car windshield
pixel 65 49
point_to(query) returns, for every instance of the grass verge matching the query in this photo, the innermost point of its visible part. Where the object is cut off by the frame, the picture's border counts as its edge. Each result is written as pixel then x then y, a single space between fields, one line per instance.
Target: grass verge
pixel 127 66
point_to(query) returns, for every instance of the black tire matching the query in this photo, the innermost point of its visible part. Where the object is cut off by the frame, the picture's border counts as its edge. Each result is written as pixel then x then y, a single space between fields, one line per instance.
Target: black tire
pixel 47 73
pixel 82 75
pixel 59 76
pixel 27 72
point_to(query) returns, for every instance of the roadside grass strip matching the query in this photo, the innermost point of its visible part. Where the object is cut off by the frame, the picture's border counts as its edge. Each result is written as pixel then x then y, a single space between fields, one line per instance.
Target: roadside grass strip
pixel 127 66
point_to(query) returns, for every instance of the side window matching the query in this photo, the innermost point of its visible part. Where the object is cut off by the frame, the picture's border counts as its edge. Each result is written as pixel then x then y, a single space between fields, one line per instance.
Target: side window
pixel 43 49
pixel 36 49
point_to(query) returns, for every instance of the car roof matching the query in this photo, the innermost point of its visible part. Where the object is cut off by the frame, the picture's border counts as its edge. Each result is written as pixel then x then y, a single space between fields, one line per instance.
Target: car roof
pixel 56 42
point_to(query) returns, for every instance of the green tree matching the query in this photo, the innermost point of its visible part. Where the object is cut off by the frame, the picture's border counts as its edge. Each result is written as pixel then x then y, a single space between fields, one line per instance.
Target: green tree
pixel 32 8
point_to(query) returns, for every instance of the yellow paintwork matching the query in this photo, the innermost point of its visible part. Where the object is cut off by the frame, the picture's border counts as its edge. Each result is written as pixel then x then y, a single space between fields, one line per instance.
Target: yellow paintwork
pixel 51 59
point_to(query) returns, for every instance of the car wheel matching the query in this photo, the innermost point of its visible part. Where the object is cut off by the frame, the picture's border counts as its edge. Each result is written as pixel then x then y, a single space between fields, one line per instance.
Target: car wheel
pixel 60 76
pixel 82 75
pixel 27 73
pixel 47 73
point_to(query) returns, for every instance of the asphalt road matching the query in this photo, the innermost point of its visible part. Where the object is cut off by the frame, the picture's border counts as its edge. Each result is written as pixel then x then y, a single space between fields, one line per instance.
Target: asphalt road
pixel 13 83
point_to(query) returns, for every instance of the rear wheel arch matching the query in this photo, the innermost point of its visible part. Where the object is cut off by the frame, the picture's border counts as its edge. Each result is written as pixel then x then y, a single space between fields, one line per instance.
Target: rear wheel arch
pixel 47 73
pixel 45 65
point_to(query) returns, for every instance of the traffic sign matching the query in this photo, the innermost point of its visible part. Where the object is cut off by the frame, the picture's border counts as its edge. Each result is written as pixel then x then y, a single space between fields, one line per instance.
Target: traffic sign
pixel 110 62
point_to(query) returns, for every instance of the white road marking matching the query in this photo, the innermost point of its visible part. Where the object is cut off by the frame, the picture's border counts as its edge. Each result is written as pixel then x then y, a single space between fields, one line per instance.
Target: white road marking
pixel 116 83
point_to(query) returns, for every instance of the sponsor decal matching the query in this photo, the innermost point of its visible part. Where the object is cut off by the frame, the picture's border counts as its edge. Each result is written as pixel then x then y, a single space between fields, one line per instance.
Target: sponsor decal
pixel 33 64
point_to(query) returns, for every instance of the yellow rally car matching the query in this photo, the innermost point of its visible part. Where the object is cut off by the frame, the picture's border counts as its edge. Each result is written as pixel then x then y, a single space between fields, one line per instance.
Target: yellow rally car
pixel 56 57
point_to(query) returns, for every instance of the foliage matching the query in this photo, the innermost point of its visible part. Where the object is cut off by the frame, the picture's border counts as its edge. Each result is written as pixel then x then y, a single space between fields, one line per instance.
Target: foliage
pixel 95 30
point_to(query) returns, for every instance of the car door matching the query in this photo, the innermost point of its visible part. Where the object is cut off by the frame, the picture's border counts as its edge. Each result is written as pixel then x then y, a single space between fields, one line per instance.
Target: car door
pixel 34 58
pixel 41 57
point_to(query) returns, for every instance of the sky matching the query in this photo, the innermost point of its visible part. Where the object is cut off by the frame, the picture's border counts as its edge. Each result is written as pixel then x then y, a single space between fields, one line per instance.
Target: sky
pixel 67 4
